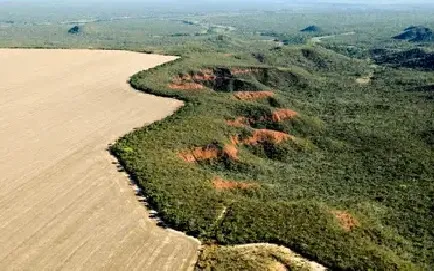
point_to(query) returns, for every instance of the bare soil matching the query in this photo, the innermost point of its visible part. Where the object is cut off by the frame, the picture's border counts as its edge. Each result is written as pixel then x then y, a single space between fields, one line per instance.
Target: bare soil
pixel 279 115
pixel 266 135
pixel 63 203
pixel 283 114
pixel 275 258
pixel 239 122
pixel 346 220
pixel 253 95
pixel 209 152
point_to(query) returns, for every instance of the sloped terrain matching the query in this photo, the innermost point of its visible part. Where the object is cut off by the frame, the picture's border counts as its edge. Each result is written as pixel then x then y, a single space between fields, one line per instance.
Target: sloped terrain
pixel 335 170
pixel 266 257
pixel 416 34
pixel 311 28
pixel 413 58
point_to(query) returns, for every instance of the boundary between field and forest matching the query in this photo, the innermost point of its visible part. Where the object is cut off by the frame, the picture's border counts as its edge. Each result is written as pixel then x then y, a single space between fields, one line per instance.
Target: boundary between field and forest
pixel 293 259
pixel 200 171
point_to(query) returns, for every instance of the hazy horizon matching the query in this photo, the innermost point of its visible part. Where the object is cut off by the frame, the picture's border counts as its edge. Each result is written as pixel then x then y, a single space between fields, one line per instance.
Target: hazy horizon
pixel 246 3
pixel 70 9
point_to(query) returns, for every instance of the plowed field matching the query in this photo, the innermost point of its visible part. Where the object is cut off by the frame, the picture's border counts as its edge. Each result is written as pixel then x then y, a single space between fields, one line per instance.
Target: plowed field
pixel 63 203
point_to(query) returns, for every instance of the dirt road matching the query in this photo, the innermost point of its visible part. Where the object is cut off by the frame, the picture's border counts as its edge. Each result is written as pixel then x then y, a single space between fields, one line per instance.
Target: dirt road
pixel 63 203
pixel 316 40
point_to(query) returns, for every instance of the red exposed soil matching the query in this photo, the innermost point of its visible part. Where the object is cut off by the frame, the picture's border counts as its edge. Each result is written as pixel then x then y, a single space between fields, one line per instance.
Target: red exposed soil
pixel 202 75
pixel 261 136
pixel 283 114
pixel 220 184
pixel 186 86
pixel 277 116
pixel 231 151
pixel 253 95
pixel 266 136
pixel 239 122
pixel 346 220
pixel 187 157
pixel 200 154
pixel 235 140
pixel 208 153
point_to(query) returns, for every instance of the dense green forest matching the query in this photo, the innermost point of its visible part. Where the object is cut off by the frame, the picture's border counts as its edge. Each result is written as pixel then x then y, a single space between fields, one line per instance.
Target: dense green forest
pixel 351 187
pixel 321 141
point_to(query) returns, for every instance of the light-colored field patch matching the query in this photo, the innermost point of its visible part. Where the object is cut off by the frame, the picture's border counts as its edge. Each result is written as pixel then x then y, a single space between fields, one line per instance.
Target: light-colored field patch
pixel 281 255
pixel 261 256
pixel 63 203
pixel 320 39
pixel 363 80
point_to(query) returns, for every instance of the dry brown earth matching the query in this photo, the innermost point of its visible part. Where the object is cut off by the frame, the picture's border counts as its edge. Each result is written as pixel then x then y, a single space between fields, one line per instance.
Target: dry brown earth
pixel 63 204
pixel 282 257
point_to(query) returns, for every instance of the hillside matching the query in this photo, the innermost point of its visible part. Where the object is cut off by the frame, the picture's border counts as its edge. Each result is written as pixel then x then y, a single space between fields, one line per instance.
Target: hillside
pixel 311 28
pixel 413 58
pixel 74 30
pixel 416 34
pixel 291 151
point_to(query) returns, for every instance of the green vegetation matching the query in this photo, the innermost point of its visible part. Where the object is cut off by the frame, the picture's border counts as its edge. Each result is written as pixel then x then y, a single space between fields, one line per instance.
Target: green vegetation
pixel 416 33
pixel 359 149
pixel 416 58
pixel 347 181
pixel 311 28
pixel 74 30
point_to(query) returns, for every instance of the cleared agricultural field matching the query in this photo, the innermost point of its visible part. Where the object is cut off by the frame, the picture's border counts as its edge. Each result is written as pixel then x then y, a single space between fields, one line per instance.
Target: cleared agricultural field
pixel 63 203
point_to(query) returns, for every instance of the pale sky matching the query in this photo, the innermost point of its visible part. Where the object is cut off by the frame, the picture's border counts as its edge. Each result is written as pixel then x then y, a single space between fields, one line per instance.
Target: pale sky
pixel 228 4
